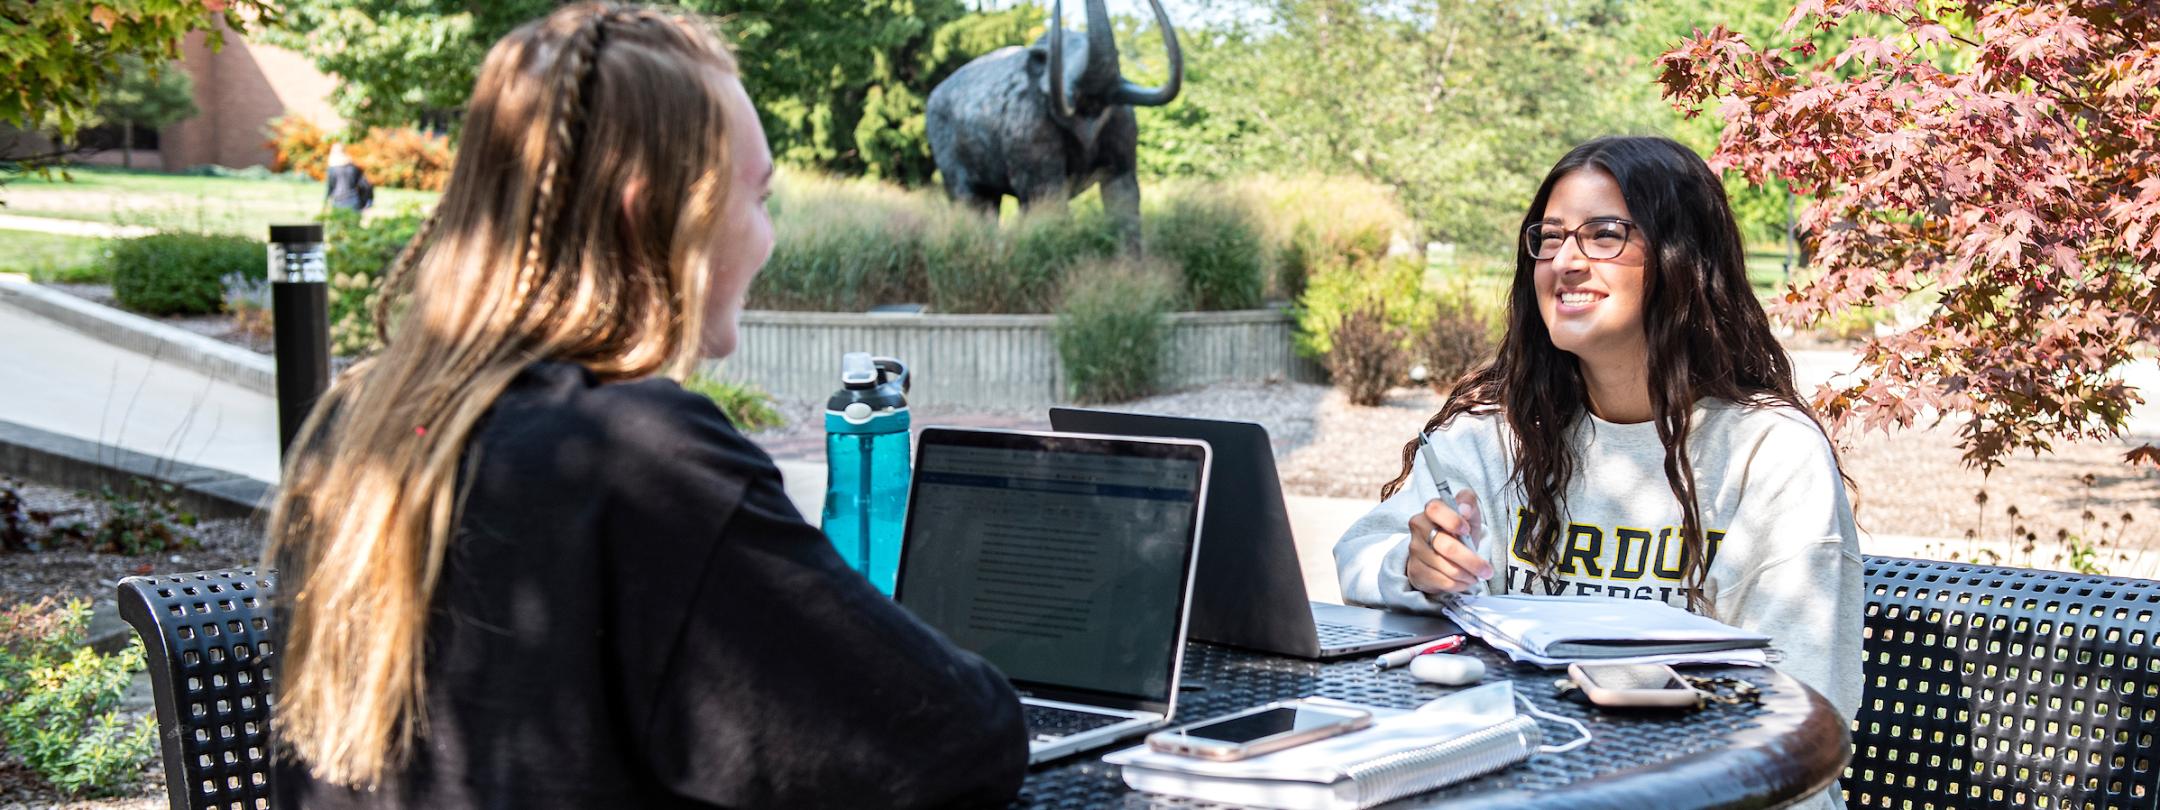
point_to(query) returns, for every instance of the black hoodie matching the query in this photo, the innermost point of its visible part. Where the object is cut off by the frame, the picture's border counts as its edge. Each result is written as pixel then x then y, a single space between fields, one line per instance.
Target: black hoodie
pixel 633 614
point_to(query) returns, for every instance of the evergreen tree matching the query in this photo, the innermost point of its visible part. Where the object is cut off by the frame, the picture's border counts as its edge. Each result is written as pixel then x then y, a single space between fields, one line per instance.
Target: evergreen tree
pixel 143 95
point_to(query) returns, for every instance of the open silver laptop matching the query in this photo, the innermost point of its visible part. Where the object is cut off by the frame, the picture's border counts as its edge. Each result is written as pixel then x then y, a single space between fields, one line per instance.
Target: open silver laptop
pixel 1250 591
pixel 1066 561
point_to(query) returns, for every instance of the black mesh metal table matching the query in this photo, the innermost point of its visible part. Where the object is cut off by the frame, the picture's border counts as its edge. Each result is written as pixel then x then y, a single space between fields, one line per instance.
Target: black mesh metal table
pixel 1789 746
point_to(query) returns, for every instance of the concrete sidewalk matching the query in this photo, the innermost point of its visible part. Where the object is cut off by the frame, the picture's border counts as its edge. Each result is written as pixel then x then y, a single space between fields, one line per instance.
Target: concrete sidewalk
pixel 56 379
pixel 72 227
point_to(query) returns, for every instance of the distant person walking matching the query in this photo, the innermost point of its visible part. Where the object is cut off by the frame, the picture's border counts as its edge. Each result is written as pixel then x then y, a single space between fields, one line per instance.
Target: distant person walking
pixel 349 187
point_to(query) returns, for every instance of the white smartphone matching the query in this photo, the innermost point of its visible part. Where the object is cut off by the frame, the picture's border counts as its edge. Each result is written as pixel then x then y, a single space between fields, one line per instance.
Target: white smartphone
pixel 1259 730
pixel 1632 684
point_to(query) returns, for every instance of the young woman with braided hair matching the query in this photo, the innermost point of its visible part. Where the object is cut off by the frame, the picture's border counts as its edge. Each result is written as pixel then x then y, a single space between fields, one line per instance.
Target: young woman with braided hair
pixel 520 566
pixel 1639 434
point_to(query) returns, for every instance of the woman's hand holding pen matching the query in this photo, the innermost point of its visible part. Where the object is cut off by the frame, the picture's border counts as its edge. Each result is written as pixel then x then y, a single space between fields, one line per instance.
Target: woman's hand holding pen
pixel 1443 552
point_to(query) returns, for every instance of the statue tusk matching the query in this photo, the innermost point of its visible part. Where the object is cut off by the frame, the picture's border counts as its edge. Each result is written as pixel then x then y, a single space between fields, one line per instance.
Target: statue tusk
pixel 1138 96
pixel 1058 105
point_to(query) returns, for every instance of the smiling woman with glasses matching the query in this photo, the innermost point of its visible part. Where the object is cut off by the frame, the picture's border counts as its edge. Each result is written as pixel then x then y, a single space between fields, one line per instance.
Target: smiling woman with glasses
pixel 1638 435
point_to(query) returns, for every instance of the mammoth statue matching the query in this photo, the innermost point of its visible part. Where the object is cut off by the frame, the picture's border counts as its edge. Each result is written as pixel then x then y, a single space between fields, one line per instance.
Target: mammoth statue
pixel 1044 123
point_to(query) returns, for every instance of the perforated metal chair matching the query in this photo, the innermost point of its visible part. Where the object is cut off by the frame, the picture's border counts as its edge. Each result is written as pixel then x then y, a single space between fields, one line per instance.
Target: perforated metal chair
pixel 211 657
pixel 1996 687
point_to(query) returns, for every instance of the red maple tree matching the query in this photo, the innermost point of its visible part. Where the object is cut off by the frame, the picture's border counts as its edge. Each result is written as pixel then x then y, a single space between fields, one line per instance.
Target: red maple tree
pixel 1999 157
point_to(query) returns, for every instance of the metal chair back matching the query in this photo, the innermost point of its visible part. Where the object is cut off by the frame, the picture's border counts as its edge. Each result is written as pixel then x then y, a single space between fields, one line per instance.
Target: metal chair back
pixel 2006 688
pixel 211 661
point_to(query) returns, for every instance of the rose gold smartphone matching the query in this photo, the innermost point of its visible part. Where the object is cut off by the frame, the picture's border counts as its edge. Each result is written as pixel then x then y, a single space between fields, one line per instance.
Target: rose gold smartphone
pixel 1632 684
pixel 1259 730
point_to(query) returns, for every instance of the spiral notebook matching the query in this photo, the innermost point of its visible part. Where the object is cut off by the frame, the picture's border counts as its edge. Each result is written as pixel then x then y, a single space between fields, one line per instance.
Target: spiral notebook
pixel 1399 755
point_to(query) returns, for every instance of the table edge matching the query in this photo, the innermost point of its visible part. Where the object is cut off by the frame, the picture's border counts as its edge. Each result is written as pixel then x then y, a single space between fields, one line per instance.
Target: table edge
pixel 1799 733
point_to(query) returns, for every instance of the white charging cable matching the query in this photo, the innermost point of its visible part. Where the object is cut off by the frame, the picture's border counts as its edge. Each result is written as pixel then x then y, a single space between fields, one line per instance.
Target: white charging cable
pixel 1557 749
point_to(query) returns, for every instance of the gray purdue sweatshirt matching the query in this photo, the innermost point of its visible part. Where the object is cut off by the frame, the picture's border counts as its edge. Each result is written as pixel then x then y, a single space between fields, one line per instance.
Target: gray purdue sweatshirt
pixel 1785 553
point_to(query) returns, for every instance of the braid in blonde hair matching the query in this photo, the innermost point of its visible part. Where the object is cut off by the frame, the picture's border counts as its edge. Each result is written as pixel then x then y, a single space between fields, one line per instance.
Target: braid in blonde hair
pixel 400 275
pixel 573 72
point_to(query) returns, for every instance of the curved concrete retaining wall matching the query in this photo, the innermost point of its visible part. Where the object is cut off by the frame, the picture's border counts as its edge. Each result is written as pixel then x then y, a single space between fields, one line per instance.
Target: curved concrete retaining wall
pixel 998 361
pixel 209 356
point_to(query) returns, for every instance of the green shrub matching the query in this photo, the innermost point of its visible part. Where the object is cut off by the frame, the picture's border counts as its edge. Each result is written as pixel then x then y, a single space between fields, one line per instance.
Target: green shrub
pixel 1214 238
pixel 746 405
pixel 151 521
pixel 1112 328
pixel 179 273
pixel 62 701
pixel 92 272
pixel 359 255
pixel 1338 288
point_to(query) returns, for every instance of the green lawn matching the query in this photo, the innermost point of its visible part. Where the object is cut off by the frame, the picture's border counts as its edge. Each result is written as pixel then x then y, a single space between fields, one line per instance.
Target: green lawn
pixel 173 202
pixel 52 257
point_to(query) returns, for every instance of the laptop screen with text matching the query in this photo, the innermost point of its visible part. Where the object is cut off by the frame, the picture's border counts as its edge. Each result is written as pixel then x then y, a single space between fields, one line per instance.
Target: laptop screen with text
pixel 1061 560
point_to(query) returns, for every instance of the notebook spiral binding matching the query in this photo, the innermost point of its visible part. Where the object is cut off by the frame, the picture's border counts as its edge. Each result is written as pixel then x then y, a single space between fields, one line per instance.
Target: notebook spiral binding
pixel 1421 769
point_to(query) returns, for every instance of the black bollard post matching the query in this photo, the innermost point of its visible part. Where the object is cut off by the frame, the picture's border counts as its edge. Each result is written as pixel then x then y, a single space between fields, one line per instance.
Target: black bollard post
pixel 300 316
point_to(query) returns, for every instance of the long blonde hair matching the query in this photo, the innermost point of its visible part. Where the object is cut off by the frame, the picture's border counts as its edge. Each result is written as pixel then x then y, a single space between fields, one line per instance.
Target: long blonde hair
pixel 530 255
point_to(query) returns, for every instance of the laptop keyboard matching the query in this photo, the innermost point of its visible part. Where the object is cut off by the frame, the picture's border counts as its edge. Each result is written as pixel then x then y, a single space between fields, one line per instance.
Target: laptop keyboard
pixel 1049 722
pixel 1343 635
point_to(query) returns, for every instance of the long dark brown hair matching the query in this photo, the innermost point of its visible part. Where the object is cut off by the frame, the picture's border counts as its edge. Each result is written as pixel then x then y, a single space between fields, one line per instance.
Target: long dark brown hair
pixel 1707 334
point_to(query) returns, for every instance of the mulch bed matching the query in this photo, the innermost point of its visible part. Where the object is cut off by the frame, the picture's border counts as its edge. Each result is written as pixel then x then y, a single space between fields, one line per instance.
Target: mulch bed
pixel 74 573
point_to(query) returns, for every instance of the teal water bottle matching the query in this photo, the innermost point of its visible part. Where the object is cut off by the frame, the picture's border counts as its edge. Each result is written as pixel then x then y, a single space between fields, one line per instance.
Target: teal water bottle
pixel 866 465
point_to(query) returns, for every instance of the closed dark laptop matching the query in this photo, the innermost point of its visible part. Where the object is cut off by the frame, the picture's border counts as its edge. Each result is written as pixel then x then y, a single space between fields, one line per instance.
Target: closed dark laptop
pixel 1249 590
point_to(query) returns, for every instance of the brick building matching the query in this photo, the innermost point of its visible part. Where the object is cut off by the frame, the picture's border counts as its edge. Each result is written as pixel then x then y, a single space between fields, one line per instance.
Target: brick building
pixel 239 89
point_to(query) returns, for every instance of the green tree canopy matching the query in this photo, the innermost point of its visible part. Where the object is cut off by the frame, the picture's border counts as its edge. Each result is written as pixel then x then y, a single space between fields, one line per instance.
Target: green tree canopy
pixel 399 62
pixel 1460 105
pixel 59 54
pixel 839 84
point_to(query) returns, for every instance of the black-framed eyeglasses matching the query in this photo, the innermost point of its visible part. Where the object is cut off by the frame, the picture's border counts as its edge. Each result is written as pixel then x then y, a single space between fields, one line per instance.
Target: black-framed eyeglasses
pixel 1597 239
